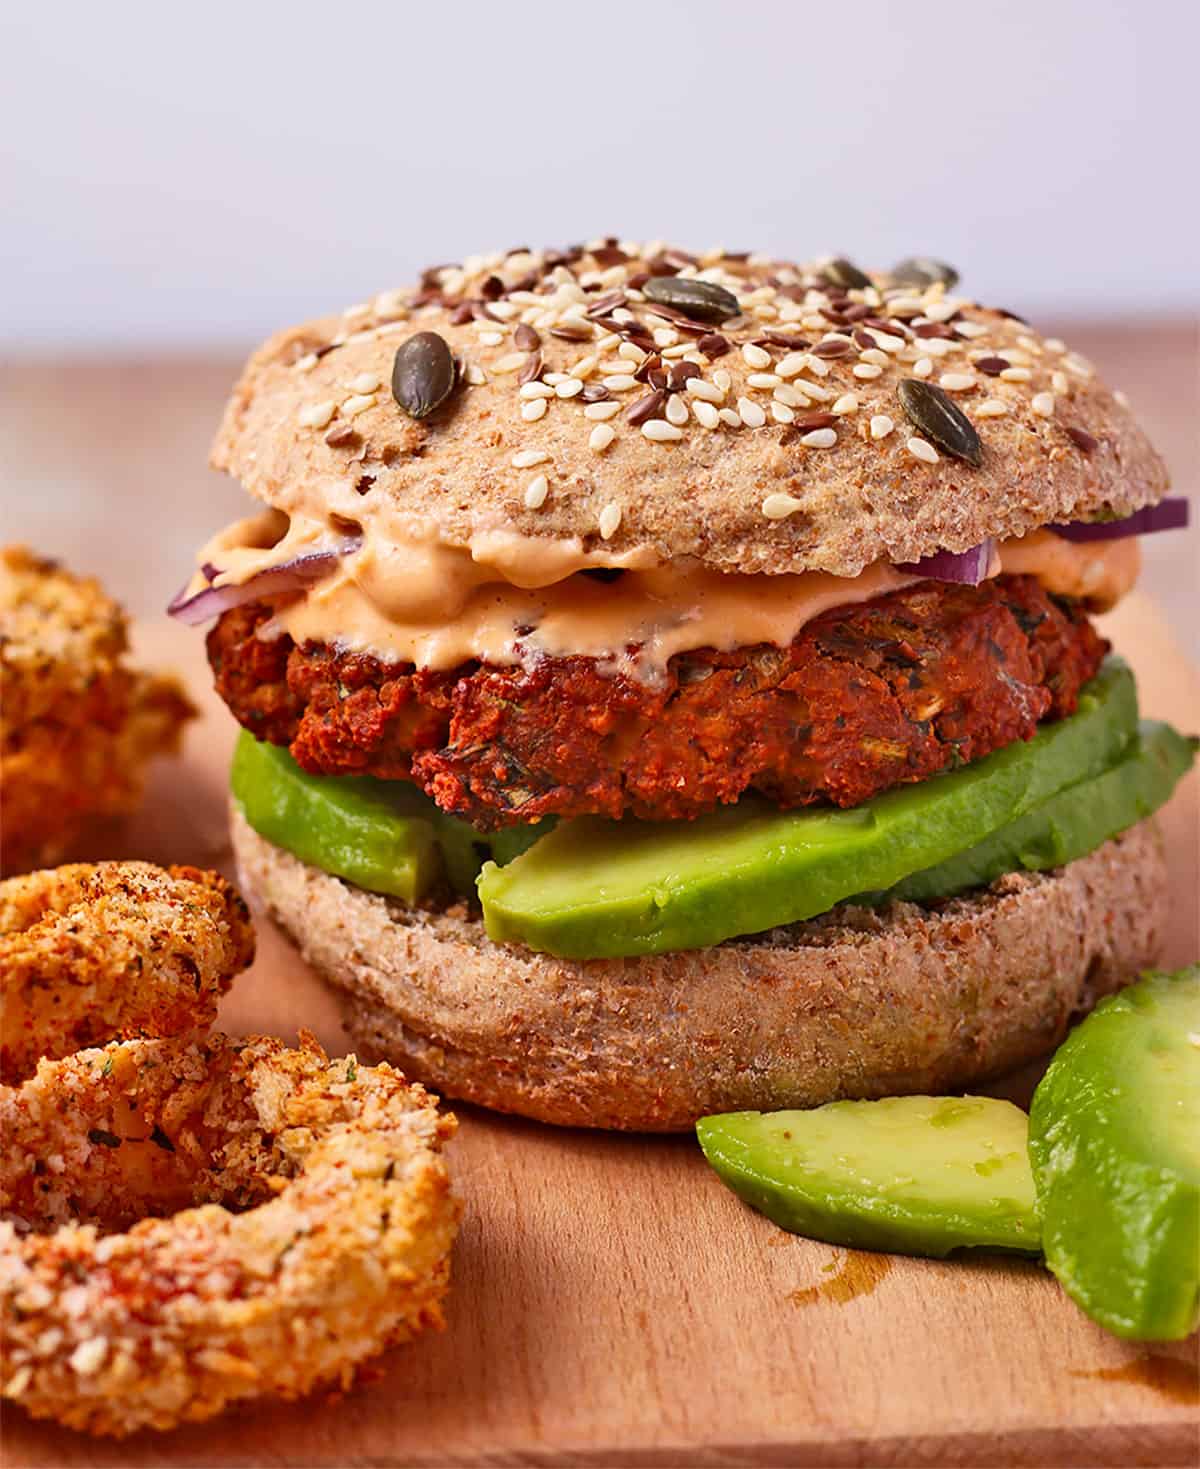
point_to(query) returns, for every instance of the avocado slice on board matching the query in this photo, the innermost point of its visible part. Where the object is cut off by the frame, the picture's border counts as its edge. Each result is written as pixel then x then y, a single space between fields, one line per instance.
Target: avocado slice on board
pixel 1115 1144
pixel 911 1175
pixel 1067 826
pixel 382 835
pixel 605 889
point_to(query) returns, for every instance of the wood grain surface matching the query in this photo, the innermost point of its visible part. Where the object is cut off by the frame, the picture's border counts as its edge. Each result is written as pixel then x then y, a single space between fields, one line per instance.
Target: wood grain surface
pixel 613 1304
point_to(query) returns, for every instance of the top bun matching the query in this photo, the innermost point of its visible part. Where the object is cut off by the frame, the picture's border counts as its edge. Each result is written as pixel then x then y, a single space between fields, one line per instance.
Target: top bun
pixel 791 451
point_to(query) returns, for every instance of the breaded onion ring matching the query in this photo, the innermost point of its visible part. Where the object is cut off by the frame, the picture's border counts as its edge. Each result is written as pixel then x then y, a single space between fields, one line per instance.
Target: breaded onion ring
pixel 315 1230
pixel 89 953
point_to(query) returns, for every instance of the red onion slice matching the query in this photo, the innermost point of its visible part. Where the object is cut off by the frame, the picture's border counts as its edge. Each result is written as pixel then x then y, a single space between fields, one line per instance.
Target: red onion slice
pixel 290 576
pixel 1170 514
pixel 969 567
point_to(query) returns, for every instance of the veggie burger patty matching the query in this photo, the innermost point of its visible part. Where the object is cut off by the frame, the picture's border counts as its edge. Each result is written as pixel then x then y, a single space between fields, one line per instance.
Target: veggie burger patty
pixel 868 696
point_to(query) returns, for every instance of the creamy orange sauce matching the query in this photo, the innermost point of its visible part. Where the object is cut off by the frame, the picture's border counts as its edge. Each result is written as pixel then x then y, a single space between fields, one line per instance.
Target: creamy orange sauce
pixel 407 596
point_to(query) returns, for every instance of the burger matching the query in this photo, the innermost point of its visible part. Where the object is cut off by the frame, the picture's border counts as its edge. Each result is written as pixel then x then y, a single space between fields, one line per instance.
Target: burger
pixel 669 685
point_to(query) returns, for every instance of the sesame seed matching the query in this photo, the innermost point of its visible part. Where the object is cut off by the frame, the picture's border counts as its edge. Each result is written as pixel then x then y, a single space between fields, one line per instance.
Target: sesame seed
pixel 665 336
pixel 781 413
pixel 698 387
pixel 317 415
pixel 490 338
pixel 610 517
pixel 601 436
pixel 922 367
pixel 881 426
pixel 722 379
pixel 792 365
pixel 601 411
pixel 620 382
pixel 509 363
pixel 1016 375
pixel 359 403
pixel 676 410
pixel 527 458
pixel 88 1356
pixel 888 342
pixel 1060 382
pixel 1054 344
pixel 819 438
pixel 970 329
pixel 307 362
pixel 536 491
pixel 815 365
pixel 706 415
pixel 1043 405
pixel 750 413
pixel 814 390
pixel 631 352
pixel 779 506
pixel 659 431
pixel 570 388
pixel 536 390
pixel 755 356
pixel 729 418
pixel 990 408
pixel 875 356
pixel 791 396
pixel 554 378
pixel 847 403
pixel 922 449
pixel 533 410
pixel 763 380
pixel 941 310
pixel 867 369
pixel 957 382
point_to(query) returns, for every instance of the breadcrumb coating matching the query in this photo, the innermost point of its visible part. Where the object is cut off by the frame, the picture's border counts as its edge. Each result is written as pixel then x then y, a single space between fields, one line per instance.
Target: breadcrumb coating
pixel 90 952
pixel 315 1226
pixel 77 723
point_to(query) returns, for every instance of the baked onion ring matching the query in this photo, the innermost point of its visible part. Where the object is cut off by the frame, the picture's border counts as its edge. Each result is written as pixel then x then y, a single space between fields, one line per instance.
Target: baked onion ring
pixel 315 1230
pixel 95 952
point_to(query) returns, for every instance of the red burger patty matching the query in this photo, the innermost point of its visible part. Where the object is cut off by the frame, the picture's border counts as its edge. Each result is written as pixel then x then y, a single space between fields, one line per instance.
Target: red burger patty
pixel 868 696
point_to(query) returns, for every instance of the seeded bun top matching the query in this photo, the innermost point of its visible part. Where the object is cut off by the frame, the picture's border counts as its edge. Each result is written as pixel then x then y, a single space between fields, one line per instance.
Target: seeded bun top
pixel 757 414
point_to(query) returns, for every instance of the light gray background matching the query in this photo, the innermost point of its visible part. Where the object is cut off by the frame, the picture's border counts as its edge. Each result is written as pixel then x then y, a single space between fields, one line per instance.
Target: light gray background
pixel 179 174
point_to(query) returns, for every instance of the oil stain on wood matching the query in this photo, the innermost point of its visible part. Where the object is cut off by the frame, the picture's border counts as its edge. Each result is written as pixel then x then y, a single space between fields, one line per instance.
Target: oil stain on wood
pixel 1170 1377
pixel 857 1273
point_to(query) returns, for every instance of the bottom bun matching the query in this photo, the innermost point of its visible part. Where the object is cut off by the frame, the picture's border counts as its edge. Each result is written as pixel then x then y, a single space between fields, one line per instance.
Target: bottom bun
pixel 857 1003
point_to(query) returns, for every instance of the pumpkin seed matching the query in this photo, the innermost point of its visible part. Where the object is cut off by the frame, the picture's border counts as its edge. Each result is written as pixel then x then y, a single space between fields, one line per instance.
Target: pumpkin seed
pixel 846 274
pixel 699 300
pixel 940 419
pixel 423 374
pixel 923 270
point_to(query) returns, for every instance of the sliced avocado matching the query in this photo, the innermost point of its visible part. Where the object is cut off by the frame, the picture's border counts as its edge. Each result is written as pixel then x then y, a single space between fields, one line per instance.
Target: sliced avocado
pixel 1069 825
pixel 1114 1138
pixel 913 1175
pixel 605 889
pixel 382 835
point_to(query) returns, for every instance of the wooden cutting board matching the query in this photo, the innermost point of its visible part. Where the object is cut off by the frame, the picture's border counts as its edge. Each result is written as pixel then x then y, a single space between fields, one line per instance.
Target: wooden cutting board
pixel 614 1304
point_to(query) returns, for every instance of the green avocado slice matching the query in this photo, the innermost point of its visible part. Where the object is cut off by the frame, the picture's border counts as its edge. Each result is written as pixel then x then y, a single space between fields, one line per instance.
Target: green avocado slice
pixel 1115 1143
pixel 1067 826
pixel 911 1175
pixel 603 889
pixel 382 835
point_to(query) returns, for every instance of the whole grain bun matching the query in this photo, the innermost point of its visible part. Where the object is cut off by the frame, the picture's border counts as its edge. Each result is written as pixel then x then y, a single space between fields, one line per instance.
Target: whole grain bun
pixel 313 420
pixel 857 1003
